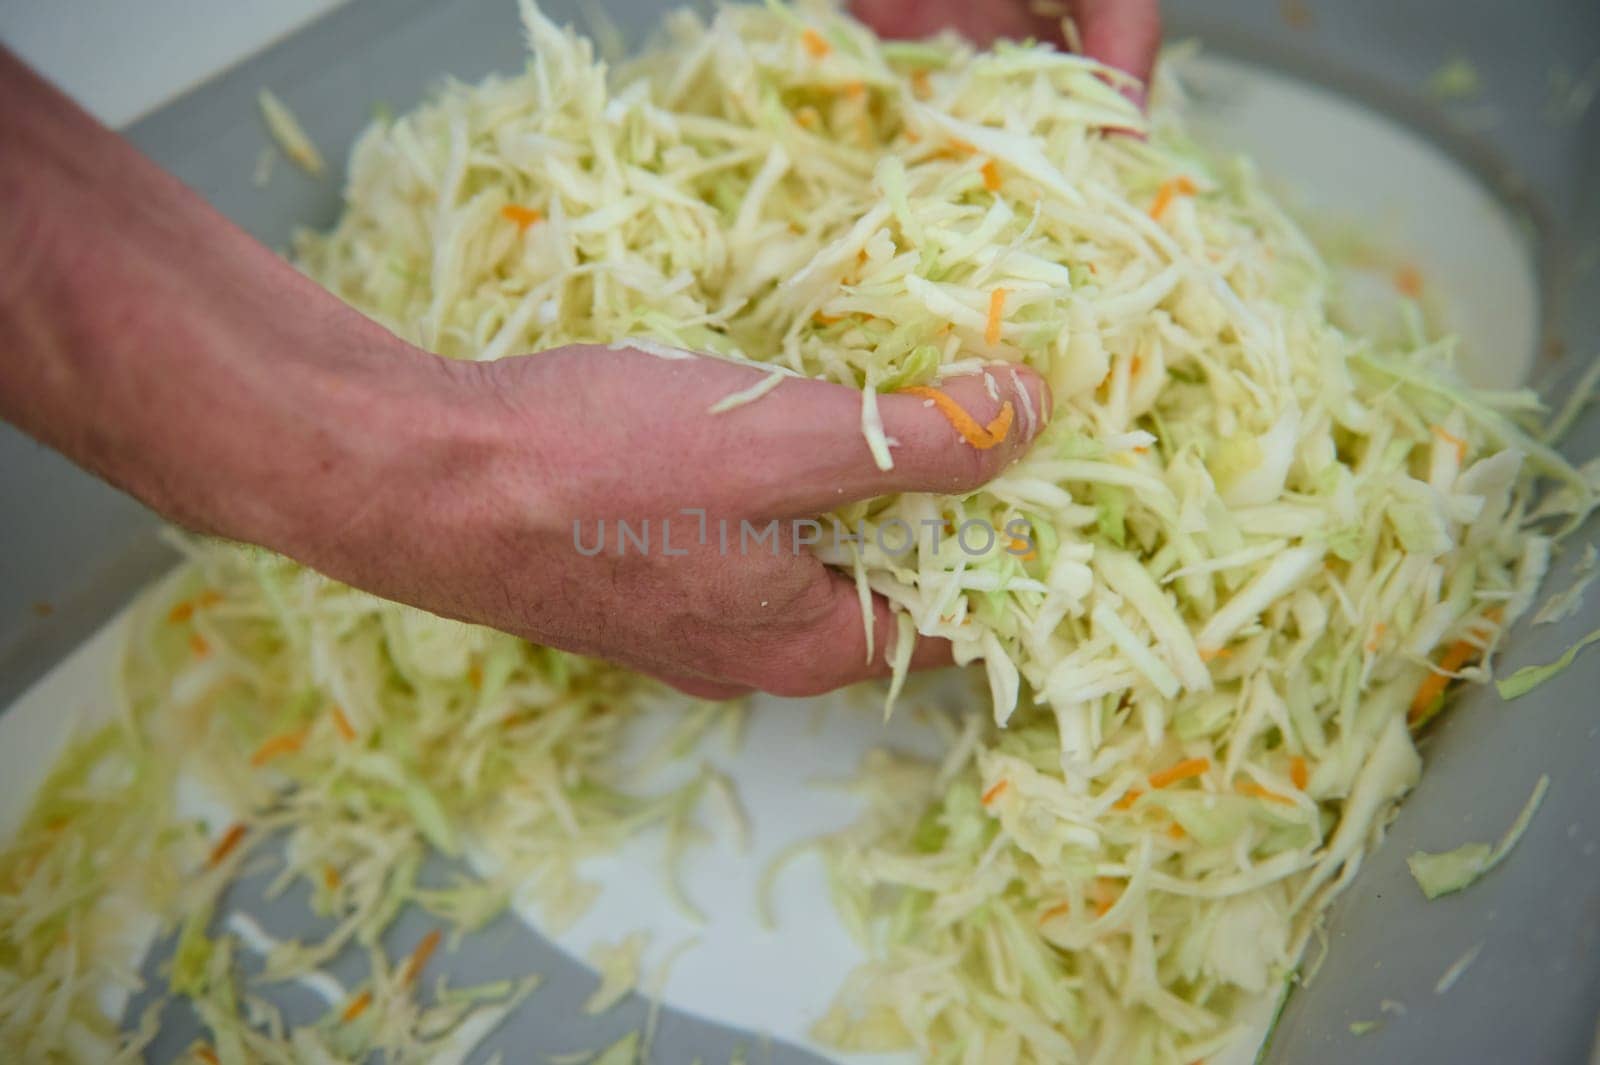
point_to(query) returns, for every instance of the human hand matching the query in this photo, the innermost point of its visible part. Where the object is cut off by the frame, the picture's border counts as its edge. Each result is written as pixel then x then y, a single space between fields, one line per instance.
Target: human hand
pixel 1121 33
pixel 161 347
pixel 510 455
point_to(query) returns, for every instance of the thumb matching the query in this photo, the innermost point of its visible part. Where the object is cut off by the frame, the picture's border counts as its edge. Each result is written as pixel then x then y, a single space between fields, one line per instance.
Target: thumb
pixel 1125 34
pixel 950 439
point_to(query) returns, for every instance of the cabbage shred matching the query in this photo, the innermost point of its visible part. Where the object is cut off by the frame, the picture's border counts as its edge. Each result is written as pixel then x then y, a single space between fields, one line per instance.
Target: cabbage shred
pixel 1257 535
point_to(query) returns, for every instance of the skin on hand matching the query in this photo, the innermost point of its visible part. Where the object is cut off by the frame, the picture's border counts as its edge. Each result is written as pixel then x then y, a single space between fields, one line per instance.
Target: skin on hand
pixel 1121 33
pixel 584 434
pixel 156 344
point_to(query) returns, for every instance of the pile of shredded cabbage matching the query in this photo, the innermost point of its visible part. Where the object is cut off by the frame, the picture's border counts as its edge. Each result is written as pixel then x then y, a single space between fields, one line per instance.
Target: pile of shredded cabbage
pixel 1263 548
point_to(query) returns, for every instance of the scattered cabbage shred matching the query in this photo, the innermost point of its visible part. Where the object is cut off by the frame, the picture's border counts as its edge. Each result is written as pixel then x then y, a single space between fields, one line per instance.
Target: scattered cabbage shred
pixel 1443 872
pixel 1259 542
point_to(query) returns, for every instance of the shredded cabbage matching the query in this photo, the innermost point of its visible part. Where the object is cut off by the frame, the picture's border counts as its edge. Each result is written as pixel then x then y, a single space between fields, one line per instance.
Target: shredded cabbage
pixel 290 136
pixel 1264 546
pixel 1454 870
pixel 1528 678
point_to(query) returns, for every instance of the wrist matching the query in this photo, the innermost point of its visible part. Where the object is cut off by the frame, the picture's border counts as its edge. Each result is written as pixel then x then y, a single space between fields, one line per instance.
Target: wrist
pixel 402 448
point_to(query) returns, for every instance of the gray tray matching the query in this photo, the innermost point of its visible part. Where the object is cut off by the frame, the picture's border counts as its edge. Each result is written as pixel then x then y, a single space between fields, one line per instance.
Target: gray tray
pixel 1533 993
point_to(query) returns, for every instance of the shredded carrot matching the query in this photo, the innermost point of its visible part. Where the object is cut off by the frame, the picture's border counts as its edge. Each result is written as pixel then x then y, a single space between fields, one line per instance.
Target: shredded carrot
pixel 1170 190
pixel 1408 279
pixel 956 148
pixel 1256 791
pixel 1456 657
pixel 911 135
pixel 1134 365
pixel 997 308
pixel 1452 439
pixel 274 746
pixel 226 845
pixel 356 1007
pixel 995 792
pixel 1127 801
pixel 198 645
pixel 1001 426
pixel 991 175
pixel 943 330
pixel 1299 775
pixel 808 117
pixel 207 1055
pixel 1093 269
pixel 855 90
pixel 1053 912
pixel 1207 654
pixel 1377 636
pixel 1189 767
pixel 475 677
pixel 522 216
pixel 1176 831
pixel 209 597
pixel 420 956
pixel 346 730
pixel 825 319
pixel 330 878
pixel 1104 896
pixel 181 612
pixel 921 84
pixel 814 43
pixel 982 437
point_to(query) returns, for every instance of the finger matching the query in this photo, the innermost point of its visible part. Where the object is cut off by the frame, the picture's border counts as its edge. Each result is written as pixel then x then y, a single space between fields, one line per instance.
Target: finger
pixel 808 454
pixel 795 450
pixel 715 691
pixel 831 652
pixel 1125 34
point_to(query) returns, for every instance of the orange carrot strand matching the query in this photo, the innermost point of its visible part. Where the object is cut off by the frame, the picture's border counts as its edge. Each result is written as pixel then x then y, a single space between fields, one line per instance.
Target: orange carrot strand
pixel 991 175
pixel 1189 767
pixel 226 845
pixel 522 216
pixel 419 957
pixel 347 731
pixel 356 1007
pixel 981 437
pixel 997 310
pixel 1169 191
pixel 815 44
pixel 995 792
pixel 276 746
pixel 1256 791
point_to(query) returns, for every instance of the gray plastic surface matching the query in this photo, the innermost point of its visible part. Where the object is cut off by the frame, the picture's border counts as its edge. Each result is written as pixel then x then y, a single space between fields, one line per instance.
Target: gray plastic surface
pixel 1533 992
